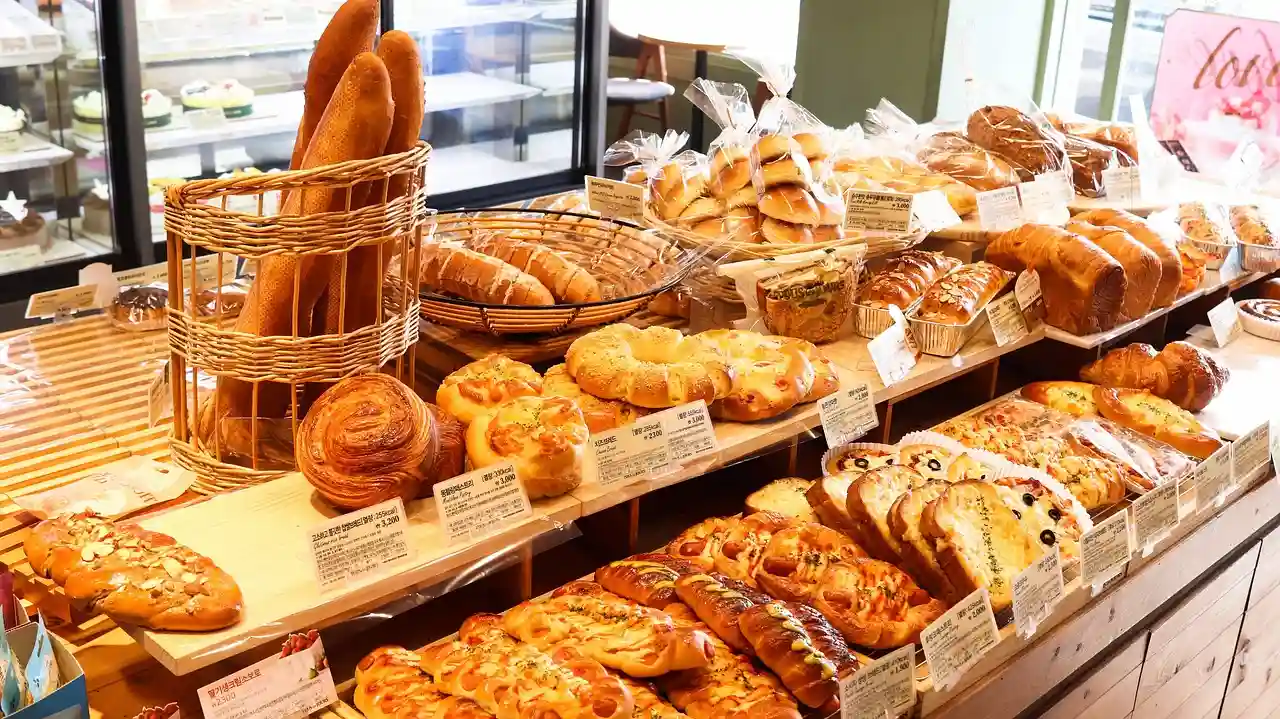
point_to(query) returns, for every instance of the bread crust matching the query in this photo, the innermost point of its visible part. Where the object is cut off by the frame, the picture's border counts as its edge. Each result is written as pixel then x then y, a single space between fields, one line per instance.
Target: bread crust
pixel 480 278
pixel 478 387
pixel 770 376
pixel 649 579
pixel 785 496
pixel 601 415
pixel 1142 269
pixel 1166 251
pixel 874 604
pixel 1159 418
pixel 783 645
pixel 904 279
pixel 828 495
pixel 870 498
pixel 792 565
pixel 567 281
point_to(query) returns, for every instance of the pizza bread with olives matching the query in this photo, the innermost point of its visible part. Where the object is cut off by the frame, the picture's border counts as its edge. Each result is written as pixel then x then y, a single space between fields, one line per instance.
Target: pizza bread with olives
pixel 859 457
pixel 929 460
pixel 1046 517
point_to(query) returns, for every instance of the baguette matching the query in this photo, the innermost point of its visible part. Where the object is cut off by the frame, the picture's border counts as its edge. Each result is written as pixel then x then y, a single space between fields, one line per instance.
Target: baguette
pixel 567 281
pixel 355 126
pixel 348 34
pixel 480 278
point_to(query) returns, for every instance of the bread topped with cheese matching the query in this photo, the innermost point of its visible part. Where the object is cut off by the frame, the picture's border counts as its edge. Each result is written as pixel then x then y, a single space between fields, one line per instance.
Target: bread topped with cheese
pixel 870 498
pixel 1156 417
pixel 978 540
pixel 784 496
pixel 1074 398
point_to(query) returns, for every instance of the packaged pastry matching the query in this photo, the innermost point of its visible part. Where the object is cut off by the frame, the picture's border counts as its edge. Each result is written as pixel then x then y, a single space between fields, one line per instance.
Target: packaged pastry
pixel 1088 160
pixel 227 300
pixel 13 680
pixel 1025 140
pixel 862 162
pixel 948 152
pixel 1259 242
pixel 140 307
pixel 1206 227
pixel 806 295
pixel 728 208
pixel 1118 135
pixel 676 180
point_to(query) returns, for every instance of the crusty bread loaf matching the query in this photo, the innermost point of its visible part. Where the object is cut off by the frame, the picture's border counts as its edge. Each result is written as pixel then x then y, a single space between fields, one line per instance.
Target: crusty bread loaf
pixel 916 550
pixel 567 281
pixel 1141 266
pixel 1165 249
pixel 1083 287
pixel 1088 160
pixel 785 496
pixel 828 496
pixel 955 155
pixel 962 293
pixel 1017 137
pixel 978 540
pixel 480 278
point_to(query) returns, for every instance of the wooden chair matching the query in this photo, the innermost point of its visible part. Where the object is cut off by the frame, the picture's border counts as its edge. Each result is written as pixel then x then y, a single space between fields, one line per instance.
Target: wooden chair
pixel 632 92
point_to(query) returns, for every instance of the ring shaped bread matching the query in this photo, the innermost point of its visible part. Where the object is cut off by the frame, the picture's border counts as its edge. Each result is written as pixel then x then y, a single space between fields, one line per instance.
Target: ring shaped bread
pixel 770 375
pixel 656 367
pixel 601 415
pixel 874 604
pixel 484 384
pixel 796 558
pixel 544 437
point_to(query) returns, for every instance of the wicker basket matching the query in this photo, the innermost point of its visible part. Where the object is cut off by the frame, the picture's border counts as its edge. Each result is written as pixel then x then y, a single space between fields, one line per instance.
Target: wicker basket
pixel 196 218
pixel 726 250
pixel 631 262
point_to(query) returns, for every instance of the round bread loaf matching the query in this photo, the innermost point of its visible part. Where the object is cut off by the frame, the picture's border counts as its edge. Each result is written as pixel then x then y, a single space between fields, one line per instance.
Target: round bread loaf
pixel 600 415
pixel 790 203
pixel 655 367
pixel 730 170
pixel 771 374
pixel 485 383
pixel 544 437
pixel 814 145
pixel 787 170
pixel 777 232
pixel 771 147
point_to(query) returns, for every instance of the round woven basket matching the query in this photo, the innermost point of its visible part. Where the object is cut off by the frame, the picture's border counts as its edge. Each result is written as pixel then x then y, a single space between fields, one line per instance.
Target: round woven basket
pixel 285 371
pixel 631 263
pixel 727 250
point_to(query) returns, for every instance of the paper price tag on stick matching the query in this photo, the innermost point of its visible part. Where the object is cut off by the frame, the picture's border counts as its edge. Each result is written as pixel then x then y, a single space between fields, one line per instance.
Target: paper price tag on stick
pixel 959 638
pixel 293 683
pixel 1027 289
pixel 1155 516
pixel 613 199
pixel 480 502
pixel 848 415
pixel 999 209
pixel 1007 323
pixel 1224 319
pixel 1105 550
pixel 1251 451
pixel 1214 480
pixel 894 351
pixel 631 453
pixel 1036 591
pixel 883 688
pixel 1122 185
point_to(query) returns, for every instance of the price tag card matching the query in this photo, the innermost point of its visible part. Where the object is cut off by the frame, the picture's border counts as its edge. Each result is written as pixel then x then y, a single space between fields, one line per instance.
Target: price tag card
pixel 1007 323
pixel 891 352
pixel 960 638
pixel 999 209
pixel 206 118
pixel 632 453
pixel 613 199
pixel 60 302
pixel 26 256
pixel 1036 591
pixel 689 432
pixel 294 683
pixel 207 272
pixel 885 687
pixel 1041 201
pixel 1155 515
pixel 113 490
pixel 1214 480
pixel 848 414
pixel 477 503
pixel 1105 550
pixel 878 211
pixel 352 546
pixel 1122 185
pixel 1027 289
pixel 1064 190
pixel 1250 451
pixel 933 211
pixel 1224 319
pixel 1175 148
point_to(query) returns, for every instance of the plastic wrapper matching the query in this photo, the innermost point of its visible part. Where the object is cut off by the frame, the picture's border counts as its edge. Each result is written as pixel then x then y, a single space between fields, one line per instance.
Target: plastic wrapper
pixel 1259 236
pixel 677 180
pixel 1202 226
pixel 729 192
pixel 808 295
pixel 13 680
pixel 797 197
pixel 948 152
pixel 872 163
pixel 42 667
pixel 1020 134
pixel 227 300
pixel 140 308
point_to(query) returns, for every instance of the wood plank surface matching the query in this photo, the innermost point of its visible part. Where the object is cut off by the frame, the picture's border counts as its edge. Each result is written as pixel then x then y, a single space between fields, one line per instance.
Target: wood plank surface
pixel 1109 691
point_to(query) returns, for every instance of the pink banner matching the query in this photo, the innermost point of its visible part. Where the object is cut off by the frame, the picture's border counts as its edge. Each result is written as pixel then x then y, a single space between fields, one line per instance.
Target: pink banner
pixel 1217 85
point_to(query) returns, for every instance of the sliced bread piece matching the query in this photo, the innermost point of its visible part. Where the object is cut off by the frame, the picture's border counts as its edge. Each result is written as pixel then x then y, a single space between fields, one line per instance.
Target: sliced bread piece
pixel 827 497
pixel 784 496
pixel 915 549
pixel 978 540
pixel 870 498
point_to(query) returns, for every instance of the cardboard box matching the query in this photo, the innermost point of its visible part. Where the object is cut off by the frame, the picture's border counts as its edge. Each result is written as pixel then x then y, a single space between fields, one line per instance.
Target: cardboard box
pixel 71 699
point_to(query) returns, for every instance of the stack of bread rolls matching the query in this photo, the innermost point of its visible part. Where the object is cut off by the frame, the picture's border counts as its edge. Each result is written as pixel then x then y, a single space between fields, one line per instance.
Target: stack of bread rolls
pixel 359 105
pixel 798 201
pixel 715 202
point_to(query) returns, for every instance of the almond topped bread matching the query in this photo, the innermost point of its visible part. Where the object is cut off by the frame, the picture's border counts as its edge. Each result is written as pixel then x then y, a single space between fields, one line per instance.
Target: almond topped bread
pixel 1074 398
pixel 871 496
pixel 1153 416
pixel 784 496
pixel 978 540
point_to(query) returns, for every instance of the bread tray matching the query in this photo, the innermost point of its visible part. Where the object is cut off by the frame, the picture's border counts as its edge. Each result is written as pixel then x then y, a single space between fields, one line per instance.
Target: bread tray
pixel 1259 258
pixel 943 340
pixel 633 262
pixel 1217 251
pixel 1257 326
pixel 871 321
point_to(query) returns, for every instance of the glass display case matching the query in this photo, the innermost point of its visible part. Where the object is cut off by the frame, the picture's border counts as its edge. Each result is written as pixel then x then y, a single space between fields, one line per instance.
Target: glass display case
pixel 54 193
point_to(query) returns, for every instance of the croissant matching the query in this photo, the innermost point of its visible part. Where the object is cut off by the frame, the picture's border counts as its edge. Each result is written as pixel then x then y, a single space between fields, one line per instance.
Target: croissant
pixel 368 439
pixel 1181 373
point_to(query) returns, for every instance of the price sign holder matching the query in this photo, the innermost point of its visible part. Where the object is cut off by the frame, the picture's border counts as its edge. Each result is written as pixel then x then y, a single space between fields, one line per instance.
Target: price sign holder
pixel 894 351
pixel 1214 479
pixel 1007 323
pixel 1250 451
pixel 879 211
pixel 1027 289
pixel 350 547
pixel 614 199
pixel 958 640
pixel 1122 185
pixel 1105 550
pixel 296 682
pixel 1224 320
pixel 999 209
pixel 1155 516
pixel 883 688
pixel 481 502
pixel 632 453
pixel 1036 591
pixel 62 304
pixel 848 415
pixel 933 211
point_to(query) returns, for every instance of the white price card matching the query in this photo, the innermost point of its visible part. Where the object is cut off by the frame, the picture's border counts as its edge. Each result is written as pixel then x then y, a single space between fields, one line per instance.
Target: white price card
pixel 848 414
pixel 1224 319
pixel 1030 300
pixel 878 211
pixel 1214 479
pixel 1155 516
pixel 1105 550
pixel 61 302
pixel 892 353
pixel 208 271
pixel 1036 591
pixel 959 638
pixel 690 433
pixel 353 546
pixel 632 453
pixel 1007 322
pixel 1122 185
pixel 883 688
pixel 1042 202
pixel 999 209
pixel 25 256
pixel 1250 451
pixel 1064 190
pixel 614 199
pixel 482 501
pixel 933 211
pixel 292 684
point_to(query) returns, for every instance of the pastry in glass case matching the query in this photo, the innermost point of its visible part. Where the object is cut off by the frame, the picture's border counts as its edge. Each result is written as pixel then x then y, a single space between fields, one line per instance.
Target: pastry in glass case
pixel 157 109
pixel 87 112
pixel 235 99
pixel 11 120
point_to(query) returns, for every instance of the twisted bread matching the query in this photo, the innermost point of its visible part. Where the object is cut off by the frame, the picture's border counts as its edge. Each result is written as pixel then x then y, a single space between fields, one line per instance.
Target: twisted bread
pixel 655 367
